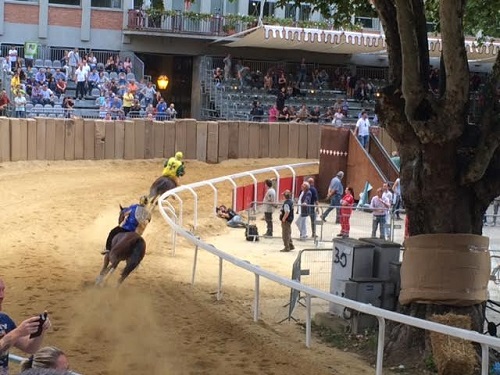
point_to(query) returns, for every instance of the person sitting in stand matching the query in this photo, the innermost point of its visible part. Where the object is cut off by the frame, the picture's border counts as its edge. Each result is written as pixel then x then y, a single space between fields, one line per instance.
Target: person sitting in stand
pixel 61 87
pixel 233 219
pixel 315 114
pixel 174 167
pixel 93 79
pixel 136 218
pixel 36 94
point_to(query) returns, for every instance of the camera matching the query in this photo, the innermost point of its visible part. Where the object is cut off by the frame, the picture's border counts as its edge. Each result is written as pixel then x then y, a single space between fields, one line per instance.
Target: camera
pixel 41 320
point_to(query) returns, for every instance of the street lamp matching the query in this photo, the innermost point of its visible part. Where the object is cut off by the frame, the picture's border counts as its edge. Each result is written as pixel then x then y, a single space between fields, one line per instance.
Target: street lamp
pixel 163 82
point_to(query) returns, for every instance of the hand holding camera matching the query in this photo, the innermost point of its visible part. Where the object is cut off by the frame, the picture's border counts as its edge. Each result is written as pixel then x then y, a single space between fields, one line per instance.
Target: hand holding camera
pixel 42 318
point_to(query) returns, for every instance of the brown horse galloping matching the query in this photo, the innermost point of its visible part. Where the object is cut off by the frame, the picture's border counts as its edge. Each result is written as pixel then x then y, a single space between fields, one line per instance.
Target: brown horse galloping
pixel 127 246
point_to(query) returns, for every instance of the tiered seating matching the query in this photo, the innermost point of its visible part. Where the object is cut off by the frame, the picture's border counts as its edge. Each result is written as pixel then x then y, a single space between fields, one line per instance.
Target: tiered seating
pixel 236 102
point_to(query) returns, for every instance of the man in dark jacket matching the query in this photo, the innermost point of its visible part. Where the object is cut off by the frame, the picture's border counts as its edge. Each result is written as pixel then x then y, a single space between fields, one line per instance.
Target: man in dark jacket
pixel 314 205
pixel 286 218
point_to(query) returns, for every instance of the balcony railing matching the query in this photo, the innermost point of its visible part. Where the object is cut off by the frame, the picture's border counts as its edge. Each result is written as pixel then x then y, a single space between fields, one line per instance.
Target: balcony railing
pixel 220 25
pixel 216 25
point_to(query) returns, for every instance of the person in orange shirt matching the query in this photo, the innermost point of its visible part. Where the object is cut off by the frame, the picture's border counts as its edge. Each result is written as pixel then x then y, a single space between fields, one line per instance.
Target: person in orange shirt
pixel 132 87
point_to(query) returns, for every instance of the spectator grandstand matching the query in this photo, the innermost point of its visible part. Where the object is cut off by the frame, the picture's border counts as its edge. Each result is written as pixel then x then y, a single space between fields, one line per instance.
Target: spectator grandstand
pixel 50 86
pixel 50 89
pixel 323 90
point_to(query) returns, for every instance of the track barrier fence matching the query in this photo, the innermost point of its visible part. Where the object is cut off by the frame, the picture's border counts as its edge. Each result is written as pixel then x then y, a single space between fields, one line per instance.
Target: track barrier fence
pixel 175 217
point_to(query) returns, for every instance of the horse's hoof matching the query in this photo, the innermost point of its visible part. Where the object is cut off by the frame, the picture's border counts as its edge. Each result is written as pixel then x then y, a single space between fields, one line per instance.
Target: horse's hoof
pixel 98 281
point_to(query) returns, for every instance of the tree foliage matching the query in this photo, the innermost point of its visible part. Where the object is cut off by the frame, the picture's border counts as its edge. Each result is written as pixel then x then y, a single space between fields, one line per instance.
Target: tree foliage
pixel 157 5
pixel 480 16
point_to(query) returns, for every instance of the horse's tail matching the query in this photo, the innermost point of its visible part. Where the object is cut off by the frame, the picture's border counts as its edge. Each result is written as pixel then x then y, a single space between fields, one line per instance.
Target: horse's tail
pixel 138 252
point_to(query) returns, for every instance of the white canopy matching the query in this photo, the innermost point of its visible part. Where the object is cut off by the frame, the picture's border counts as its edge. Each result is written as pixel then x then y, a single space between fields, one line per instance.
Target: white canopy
pixel 313 40
pixel 343 42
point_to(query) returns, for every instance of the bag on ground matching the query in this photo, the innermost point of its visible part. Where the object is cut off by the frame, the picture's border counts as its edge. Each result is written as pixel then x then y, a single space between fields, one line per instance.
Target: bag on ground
pixel 252 233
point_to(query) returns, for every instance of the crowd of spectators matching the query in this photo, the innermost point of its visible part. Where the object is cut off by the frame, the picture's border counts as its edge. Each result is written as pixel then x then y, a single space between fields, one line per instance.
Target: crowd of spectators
pixel 295 89
pixel 298 84
pixel 278 77
pixel 111 85
pixel 334 115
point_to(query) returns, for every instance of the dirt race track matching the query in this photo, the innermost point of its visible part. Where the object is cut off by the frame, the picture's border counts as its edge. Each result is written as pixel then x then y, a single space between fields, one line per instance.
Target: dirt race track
pixel 55 219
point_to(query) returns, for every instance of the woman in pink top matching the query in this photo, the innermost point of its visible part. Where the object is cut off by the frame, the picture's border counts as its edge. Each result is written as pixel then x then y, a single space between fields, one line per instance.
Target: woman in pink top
pixel 273 114
pixel 127 63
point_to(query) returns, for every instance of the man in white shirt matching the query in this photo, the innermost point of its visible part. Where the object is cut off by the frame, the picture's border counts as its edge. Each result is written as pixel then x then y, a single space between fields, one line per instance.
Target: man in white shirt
pixel 81 79
pixel 73 61
pixel 387 197
pixel 20 103
pixel 13 57
pixel 269 202
pixel 363 129
pixel 86 66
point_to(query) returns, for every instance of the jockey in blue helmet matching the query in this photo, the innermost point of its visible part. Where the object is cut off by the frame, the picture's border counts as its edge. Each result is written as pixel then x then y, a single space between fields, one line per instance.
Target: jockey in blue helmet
pixel 133 219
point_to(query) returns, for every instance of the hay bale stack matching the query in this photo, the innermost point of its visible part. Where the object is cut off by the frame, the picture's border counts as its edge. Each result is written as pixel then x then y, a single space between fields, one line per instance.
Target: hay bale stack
pixel 453 356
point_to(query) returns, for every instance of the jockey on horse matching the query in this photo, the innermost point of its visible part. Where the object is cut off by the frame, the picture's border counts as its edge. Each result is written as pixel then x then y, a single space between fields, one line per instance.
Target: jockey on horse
pixel 134 218
pixel 174 167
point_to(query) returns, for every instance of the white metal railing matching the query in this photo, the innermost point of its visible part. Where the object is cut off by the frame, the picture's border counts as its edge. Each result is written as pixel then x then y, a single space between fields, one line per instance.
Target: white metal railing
pixel 382 315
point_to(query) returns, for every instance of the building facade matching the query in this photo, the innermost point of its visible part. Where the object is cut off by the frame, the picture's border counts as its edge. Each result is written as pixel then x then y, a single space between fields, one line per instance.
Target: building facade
pixel 176 41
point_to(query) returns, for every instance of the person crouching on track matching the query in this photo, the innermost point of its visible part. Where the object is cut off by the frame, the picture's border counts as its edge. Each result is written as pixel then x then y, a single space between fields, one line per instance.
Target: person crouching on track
pixel 174 167
pixel 233 219
pixel 134 218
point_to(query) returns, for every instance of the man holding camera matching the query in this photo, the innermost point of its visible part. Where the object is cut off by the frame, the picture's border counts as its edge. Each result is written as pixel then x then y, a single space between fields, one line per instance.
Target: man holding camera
pixel 28 336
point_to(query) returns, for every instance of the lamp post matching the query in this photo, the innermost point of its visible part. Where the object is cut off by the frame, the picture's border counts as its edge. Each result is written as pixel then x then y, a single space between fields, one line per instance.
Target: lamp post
pixel 162 82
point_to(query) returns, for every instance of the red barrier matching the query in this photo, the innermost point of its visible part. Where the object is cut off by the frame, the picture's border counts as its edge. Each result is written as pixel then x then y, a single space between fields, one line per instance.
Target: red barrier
pixel 298 184
pixel 261 191
pixel 240 194
pixel 245 194
pixel 286 183
pixel 248 196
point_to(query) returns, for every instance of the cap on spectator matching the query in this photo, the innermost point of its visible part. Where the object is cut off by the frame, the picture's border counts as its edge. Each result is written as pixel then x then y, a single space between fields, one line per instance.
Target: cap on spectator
pixel 340 174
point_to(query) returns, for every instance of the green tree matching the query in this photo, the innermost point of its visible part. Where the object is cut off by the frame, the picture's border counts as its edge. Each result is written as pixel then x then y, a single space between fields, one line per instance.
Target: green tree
pixel 450 170
pixel 157 5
